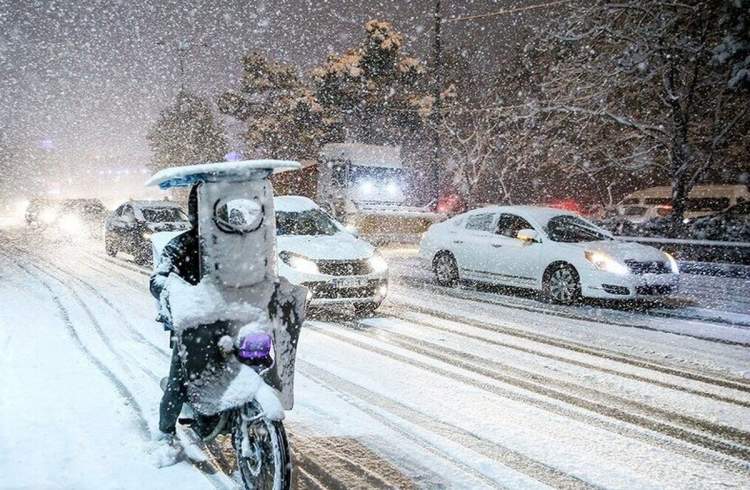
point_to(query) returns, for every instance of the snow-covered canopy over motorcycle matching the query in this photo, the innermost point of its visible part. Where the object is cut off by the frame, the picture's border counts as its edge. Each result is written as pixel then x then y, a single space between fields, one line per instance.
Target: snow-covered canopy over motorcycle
pixel 240 308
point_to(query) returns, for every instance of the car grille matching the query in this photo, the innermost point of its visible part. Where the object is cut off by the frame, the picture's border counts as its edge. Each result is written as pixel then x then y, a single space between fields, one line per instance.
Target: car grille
pixel 651 267
pixel 344 267
pixel 654 290
pixel 327 291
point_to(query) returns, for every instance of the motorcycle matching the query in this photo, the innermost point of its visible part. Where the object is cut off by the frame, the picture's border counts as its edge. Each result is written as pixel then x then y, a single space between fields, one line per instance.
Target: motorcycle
pixel 255 427
pixel 237 329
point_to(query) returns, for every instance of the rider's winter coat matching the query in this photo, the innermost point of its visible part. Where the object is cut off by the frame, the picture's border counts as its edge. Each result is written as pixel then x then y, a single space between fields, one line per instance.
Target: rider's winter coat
pixel 180 256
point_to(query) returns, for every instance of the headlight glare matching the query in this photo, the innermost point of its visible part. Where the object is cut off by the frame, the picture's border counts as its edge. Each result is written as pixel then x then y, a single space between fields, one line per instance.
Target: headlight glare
pixel 366 187
pixel 71 224
pixel 605 263
pixel 378 263
pixel 300 263
pixel 48 215
pixel 672 263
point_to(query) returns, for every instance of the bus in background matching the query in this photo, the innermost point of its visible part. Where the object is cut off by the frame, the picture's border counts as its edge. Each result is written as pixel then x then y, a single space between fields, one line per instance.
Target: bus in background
pixel 703 200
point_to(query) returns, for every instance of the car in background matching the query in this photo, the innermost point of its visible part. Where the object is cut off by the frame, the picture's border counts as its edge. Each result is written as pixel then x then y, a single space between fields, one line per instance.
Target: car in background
pixel 703 199
pixel 68 217
pixel 129 228
pixel 336 266
pixel 545 249
pixel 731 225
pixel 642 213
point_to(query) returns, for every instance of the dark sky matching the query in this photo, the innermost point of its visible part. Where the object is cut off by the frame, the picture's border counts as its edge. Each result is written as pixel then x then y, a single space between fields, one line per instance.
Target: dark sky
pixel 81 81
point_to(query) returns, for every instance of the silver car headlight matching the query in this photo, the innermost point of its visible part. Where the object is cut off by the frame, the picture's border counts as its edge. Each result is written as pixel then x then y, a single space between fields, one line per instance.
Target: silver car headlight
pixel 378 263
pixel 299 262
pixel 605 263
pixel 48 215
pixel 672 263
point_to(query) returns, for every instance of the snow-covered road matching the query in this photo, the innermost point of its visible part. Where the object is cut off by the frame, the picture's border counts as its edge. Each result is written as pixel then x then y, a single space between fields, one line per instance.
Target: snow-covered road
pixel 468 388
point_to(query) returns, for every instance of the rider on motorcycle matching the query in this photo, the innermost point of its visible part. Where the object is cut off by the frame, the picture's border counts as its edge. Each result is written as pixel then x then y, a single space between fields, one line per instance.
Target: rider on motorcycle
pixel 234 323
pixel 181 256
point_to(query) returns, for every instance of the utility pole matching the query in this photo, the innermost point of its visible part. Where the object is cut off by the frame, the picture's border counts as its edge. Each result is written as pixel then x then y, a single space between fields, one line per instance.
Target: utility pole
pixel 437 113
pixel 183 48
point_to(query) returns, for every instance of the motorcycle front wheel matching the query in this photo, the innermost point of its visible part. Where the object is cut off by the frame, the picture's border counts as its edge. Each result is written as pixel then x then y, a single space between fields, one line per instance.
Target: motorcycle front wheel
pixel 262 451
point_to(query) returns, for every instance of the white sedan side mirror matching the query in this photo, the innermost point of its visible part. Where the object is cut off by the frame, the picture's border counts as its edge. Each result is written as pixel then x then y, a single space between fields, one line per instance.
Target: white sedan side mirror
pixel 528 235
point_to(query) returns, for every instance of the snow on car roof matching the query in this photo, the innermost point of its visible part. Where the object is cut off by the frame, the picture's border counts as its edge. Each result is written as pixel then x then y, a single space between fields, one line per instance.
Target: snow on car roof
pixel 293 204
pixel 212 172
pixel 155 204
pixel 363 155
pixel 539 213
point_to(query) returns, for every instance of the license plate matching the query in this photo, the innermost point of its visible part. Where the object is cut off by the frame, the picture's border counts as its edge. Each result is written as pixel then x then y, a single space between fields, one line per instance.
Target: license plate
pixel 349 282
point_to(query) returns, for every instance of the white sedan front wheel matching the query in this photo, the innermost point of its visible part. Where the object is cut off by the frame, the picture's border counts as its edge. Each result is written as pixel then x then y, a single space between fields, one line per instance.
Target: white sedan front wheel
pixel 446 270
pixel 562 284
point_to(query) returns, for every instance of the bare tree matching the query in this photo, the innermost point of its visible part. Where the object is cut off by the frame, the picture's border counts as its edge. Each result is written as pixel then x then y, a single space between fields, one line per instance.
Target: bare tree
pixel 644 74
pixel 472 147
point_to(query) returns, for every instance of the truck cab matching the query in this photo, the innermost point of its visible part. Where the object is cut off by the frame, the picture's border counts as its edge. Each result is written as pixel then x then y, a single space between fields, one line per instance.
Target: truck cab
pixel 355 177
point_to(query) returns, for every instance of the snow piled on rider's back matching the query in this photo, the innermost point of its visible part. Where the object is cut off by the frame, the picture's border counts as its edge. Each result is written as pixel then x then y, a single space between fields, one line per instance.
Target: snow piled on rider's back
pixel 191 306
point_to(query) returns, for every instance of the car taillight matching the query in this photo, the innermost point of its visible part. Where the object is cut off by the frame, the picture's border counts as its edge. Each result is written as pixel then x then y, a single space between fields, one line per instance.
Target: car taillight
pixel 255 347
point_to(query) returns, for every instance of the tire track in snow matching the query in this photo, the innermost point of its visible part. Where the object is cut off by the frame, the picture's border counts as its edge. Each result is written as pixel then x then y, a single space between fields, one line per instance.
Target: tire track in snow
pixel 732 383
pixel 365 400
pixel 316 472
pixel 408 283
pixel 64 314
pixel 313 471
pixel 605 404
pixel 675 437
pixel 737 384
pixel 134 332
pixel 206 469
pixel 348 462
pixel 574 362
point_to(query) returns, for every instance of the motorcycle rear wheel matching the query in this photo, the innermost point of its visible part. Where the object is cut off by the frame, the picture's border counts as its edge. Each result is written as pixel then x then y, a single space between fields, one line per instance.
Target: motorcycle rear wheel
pixel 263 460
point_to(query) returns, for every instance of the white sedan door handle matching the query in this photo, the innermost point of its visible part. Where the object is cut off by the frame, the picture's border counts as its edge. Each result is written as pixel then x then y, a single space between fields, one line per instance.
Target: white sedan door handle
pixel 457 241
pixel 497 245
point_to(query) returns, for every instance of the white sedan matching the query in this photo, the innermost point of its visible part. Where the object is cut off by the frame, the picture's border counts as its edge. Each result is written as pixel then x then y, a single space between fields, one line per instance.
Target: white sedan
pixel 546 249
pixel 317 252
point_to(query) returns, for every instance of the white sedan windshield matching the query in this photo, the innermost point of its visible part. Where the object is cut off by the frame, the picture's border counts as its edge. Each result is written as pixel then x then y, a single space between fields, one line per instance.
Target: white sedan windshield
pixel 572 229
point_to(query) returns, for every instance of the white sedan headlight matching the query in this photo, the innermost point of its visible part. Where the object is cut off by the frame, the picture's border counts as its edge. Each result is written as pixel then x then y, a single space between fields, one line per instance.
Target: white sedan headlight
pixel 378 264
pixel 605 263
pixel 672 263
pixel 300 263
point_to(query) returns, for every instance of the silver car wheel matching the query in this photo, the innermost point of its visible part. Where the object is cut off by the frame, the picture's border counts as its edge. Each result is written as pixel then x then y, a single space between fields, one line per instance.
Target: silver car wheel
pixel 563 286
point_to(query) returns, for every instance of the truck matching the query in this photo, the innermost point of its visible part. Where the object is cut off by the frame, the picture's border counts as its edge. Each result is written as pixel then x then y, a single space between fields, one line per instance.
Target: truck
pixel 363 187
